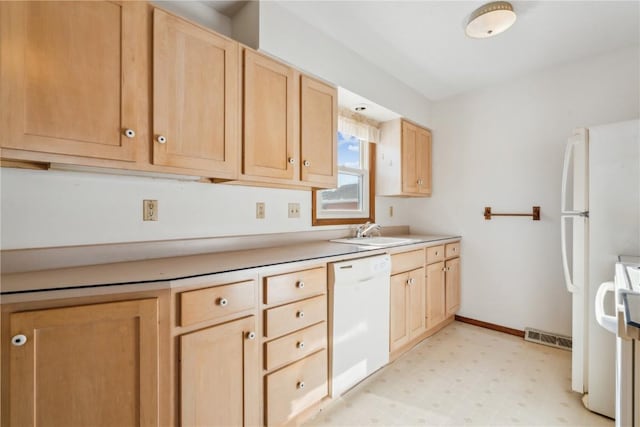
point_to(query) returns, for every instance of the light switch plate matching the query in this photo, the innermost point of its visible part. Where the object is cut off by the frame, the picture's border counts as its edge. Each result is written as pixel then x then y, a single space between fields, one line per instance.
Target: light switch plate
pixel 149 210
pixel 260 210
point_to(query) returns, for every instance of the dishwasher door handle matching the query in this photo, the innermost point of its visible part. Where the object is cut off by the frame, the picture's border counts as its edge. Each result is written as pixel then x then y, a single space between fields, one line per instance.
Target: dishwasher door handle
pixel 366 279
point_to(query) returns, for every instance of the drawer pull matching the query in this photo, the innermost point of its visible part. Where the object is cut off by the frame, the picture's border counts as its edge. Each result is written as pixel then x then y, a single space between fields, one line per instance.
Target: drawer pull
pixel 300 314
pixel 300 385
pixel 300 345
pixel 19 340
pixel 223 302
pixel 300 285
pixel 251 335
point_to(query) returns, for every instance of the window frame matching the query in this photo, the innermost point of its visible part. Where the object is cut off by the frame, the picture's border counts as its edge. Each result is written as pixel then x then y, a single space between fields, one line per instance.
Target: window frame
pixel 371 149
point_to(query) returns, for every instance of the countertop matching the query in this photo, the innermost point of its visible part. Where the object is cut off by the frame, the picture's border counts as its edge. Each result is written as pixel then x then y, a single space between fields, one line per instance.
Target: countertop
pixel 182 267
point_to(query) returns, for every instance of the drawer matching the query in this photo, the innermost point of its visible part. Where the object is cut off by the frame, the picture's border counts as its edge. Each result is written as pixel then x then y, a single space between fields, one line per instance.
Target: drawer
pixel 297 315
pixel 216 302
pixel 293 389
pixel 295 286
pixel 435 254
pixel 407 261
pixel 452 250
pixel 295 346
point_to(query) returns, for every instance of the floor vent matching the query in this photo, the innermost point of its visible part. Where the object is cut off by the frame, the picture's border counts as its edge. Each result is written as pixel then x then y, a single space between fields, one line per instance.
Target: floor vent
pixel 546 338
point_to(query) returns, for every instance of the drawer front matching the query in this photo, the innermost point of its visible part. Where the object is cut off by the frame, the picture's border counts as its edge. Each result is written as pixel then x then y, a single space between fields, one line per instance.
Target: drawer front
pixel 216 302
pixel 297 315
pixel 295 286
pixel 435 254
pixel 293 389
pixel 452 250
pixel 295 346
pixel 407 261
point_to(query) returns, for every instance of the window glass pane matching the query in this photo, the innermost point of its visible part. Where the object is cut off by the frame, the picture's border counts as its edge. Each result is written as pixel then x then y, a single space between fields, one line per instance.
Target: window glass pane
pixel 347 197
pixel 349 151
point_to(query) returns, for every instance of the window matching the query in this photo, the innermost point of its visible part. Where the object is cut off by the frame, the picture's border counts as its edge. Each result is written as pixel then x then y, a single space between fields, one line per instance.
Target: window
pixel 354 199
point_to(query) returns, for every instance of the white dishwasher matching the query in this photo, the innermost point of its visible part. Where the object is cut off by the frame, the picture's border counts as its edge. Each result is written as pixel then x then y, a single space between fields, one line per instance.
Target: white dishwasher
pixel 359 295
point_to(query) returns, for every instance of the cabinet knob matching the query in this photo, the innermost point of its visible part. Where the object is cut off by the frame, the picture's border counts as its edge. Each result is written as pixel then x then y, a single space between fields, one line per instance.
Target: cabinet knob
pixel 300 345
pixel 251 335
pixel 306 163
pixel 161 139
pixel 454 249
pixel 300 385
pixel 300 314
pixel 292 160
pixel 444 268
pixel 300 284
pixel 129 133
pixel 437 253
pixel 223 302
pixel 19 340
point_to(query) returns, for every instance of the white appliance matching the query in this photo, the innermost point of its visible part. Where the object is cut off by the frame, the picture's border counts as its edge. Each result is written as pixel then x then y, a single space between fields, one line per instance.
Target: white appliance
pixel 600 219
pixel 627 331
pixel 359 294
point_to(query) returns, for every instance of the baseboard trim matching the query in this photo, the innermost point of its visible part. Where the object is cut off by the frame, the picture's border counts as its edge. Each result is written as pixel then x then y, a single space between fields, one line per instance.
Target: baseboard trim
pixel 492 326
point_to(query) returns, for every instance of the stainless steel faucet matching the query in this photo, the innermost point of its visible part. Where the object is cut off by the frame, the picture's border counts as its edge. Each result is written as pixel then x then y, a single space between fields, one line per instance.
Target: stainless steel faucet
pixel 363 230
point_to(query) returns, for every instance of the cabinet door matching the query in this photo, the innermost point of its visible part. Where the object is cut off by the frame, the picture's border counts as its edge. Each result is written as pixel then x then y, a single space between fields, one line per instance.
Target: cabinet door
pixel 219 375
pixel 409 164
pixel 435 295
pixel 269 146
pixel 195 97
pixel 417 308
pixel 94 365
pixel 423 160
pixel 452 279
pixel 398 330
pixel 73 76
pixel 318 133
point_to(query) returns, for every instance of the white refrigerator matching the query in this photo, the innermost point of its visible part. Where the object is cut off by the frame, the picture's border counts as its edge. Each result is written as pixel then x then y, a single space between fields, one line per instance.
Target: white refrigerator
pixel 600 220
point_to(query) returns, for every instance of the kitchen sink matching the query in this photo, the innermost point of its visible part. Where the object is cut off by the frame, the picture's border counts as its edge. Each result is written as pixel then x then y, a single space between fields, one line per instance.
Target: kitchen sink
pixel 377 241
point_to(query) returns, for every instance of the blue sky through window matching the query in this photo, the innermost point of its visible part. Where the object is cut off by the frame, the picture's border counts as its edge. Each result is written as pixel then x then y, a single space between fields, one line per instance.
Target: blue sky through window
pixel 348 156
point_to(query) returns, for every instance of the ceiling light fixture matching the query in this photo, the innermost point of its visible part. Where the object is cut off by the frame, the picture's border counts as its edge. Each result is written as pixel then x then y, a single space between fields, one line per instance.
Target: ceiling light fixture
pixel 360 107
pixel 490 19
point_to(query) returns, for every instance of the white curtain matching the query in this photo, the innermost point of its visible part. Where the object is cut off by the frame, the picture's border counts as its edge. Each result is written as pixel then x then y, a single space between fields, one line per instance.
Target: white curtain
pixel 361 128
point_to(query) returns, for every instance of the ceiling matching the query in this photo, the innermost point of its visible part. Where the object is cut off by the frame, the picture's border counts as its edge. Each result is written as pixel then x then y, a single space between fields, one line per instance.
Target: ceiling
pixel 423 44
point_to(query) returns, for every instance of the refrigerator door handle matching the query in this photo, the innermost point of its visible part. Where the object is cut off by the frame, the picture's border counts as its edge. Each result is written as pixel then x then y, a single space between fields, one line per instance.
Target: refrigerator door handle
pixel 568 153
pixel 610 323
pixel 565 261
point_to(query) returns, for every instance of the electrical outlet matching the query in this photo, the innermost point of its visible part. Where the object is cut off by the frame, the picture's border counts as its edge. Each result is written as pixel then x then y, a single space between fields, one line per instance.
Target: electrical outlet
pixel 149 210
pixel 260 210
pixel 294 210
pixel 390 211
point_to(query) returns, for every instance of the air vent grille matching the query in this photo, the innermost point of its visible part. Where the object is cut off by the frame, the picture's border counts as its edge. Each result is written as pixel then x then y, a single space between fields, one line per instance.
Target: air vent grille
pixel 547 338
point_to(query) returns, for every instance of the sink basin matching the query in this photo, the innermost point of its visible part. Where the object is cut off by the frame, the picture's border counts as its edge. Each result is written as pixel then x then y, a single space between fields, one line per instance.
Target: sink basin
pixel 376 241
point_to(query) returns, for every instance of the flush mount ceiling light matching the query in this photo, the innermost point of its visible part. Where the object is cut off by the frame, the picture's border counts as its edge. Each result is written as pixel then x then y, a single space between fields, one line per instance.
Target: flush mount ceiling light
pixel 490 19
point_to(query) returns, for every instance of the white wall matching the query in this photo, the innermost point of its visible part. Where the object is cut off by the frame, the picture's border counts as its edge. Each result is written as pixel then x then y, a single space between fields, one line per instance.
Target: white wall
pixel 199 13
pixel 502 147
pixel 57 208
pixel 286 36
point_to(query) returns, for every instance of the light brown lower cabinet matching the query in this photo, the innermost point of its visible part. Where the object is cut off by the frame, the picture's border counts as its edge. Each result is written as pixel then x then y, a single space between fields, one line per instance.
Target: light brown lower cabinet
pixel 219 374
pixel 435 295
pixel 452 285
pixel 407 308
pixel 89 365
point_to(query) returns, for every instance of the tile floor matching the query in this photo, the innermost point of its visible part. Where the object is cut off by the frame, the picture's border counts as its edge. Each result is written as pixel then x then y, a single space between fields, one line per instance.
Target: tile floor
pixel 466 375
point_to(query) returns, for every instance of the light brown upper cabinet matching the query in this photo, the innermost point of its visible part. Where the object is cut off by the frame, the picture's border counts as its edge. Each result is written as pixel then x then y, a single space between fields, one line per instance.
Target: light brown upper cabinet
pixel 318 133
pixel 71 78
pixel 403 166
pixel 289 125
pixel 195 97
pixel 269 121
